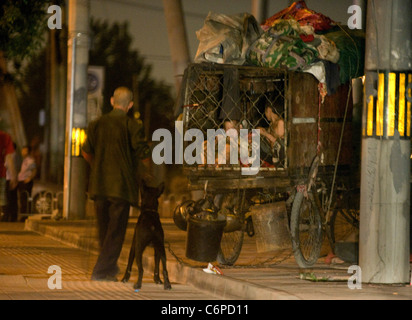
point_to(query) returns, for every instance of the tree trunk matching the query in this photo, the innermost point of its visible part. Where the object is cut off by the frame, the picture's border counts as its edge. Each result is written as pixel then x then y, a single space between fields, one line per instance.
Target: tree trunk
pixel 176 30
pixel 10 117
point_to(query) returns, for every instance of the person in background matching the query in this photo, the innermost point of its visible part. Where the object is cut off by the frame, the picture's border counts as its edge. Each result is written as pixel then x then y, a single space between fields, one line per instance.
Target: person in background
pixel 25 178
pixel 7 149
pixel 11 209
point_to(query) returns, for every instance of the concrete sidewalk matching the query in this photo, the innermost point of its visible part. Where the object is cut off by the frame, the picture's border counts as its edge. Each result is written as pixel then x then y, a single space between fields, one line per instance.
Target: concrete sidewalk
pixel 35 267
pixel 255 276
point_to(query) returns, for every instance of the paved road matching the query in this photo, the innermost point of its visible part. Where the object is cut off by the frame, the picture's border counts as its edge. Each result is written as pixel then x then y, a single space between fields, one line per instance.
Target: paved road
pixel 25 258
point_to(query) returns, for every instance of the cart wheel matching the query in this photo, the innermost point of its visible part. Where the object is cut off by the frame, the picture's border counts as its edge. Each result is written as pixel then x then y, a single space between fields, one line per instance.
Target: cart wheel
pixel 306 230
pixel 230 247
pixel 231 243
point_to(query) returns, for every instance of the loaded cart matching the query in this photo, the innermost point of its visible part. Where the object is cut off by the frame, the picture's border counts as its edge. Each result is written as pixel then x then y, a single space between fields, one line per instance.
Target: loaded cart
pixel 266 127
pixel 303 145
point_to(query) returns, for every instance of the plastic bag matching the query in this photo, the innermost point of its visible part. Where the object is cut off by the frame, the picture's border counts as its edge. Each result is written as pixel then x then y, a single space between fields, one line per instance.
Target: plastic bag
pixel 225 39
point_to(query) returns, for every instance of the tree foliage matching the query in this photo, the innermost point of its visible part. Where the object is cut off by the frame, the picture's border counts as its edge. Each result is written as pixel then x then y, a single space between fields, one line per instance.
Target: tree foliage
pixel 22 26
pixel 111 48
pixel 32 94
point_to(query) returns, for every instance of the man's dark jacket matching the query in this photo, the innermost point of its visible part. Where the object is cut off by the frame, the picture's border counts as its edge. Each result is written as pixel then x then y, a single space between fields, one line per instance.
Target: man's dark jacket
pixel 116 143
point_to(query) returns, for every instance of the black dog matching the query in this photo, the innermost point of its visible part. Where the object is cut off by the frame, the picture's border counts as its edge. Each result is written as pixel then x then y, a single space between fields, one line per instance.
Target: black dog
pixel 148 231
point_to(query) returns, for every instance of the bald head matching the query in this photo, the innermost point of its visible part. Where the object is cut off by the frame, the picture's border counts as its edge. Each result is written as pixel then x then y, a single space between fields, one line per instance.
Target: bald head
pixel 122 99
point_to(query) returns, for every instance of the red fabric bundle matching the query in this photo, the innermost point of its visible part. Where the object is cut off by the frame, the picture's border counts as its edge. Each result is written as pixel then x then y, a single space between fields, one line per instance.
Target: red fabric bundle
pixel 301 13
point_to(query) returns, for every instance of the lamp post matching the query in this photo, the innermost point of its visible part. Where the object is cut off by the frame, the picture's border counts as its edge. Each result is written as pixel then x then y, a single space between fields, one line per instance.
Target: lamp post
pixel 74 199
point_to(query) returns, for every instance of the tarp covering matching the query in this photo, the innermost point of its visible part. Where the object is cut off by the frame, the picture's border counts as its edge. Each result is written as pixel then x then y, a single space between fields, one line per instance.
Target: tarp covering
pixel 351 44
pixel 287 44
pixel 226 39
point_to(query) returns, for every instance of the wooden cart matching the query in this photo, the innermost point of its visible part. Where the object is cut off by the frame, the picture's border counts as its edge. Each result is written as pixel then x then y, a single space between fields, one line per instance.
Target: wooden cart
pixel 314 155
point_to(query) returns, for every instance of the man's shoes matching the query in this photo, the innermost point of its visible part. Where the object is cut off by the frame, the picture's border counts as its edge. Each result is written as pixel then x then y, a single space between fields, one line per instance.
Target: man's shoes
pixel 104 278
pixel 106 275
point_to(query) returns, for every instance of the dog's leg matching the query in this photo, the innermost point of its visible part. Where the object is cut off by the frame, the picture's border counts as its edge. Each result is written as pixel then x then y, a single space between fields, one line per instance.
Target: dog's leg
pixel 160 249
pixel 167 285
pixel 139 262
pixel 156 277
pixel 126 276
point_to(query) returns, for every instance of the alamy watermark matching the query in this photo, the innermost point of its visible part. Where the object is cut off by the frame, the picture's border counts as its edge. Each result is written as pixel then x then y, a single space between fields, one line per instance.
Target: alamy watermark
pixel 244 147
pixel 55 20
pixel 55 280
pixel 355 20
pixel 355 280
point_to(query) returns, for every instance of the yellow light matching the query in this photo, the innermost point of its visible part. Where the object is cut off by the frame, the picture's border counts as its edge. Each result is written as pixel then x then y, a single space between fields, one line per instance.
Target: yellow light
pixel 379 107
pixel 78 139
pixel 78 142
pixel 73 141
pixel 82 137
pixel 370 116
pixel 408 115
pixel 401 115
pixel 391 104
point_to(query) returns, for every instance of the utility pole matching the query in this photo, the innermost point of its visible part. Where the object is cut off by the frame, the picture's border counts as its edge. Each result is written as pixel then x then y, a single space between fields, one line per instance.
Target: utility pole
pixel 259 10
pixel 177 38
pixel 74 200
pixel 54 164
pixel 386 133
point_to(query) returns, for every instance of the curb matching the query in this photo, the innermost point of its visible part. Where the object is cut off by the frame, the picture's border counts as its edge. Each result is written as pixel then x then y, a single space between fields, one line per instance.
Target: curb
pixel 222 286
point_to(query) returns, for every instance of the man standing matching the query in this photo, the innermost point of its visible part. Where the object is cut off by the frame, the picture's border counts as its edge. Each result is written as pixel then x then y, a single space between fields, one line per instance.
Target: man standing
pixel 113 147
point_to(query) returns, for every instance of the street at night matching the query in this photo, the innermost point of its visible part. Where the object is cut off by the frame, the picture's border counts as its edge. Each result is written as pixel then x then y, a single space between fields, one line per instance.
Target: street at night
pixel 205 154
pixel 26 256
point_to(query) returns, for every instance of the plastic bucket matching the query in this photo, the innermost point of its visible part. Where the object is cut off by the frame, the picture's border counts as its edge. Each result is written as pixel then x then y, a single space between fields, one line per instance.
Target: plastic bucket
pixel 203 239
pixel 270 225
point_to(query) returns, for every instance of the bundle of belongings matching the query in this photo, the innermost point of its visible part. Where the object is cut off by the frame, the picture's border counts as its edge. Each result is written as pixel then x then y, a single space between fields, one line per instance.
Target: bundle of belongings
pixel 226 39
pixel 296 38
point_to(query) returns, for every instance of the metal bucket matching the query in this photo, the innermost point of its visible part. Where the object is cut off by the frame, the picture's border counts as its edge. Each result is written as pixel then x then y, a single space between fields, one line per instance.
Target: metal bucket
pixel 203 239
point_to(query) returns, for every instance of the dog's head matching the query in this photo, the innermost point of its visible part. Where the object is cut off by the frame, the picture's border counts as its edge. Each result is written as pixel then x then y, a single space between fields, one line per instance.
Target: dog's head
pixel 150 196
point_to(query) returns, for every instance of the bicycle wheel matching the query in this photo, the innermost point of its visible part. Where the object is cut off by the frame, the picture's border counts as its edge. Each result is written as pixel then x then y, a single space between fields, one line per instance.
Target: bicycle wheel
pixel 306 230
pixel 231 243
pixel 345 218
pixel 230 247
pixel 343 223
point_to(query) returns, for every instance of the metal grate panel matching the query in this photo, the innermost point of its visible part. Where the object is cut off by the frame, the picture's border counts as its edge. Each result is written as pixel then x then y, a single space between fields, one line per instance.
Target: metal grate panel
pixel 222 96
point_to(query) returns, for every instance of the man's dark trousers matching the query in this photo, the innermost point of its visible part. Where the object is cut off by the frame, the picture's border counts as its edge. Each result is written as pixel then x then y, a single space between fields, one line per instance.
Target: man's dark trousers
pixel 112 217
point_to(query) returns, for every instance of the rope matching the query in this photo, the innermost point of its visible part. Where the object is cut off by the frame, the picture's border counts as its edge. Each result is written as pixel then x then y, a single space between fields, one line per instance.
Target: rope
pixel 339 149
pixel 320 103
